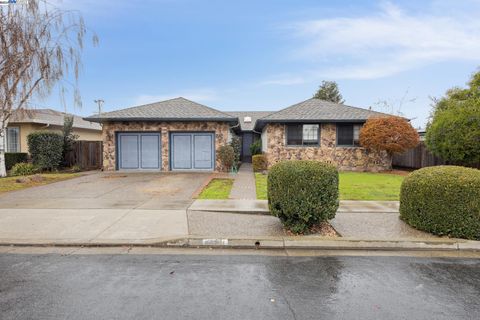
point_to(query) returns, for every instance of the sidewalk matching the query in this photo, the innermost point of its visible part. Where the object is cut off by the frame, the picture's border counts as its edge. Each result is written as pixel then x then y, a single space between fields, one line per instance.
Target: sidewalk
pixel 90 226
pixel 374 220
pixel 377 229
pixel 244 184
pixel 368 220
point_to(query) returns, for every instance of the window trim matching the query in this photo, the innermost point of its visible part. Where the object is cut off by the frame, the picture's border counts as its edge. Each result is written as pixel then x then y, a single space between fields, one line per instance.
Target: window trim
pixel 353 145
pixel 7 143
pixel 303 145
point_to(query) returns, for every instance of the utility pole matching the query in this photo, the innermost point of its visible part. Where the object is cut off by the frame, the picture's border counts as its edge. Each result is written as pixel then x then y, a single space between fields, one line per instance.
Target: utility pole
pixel 100 102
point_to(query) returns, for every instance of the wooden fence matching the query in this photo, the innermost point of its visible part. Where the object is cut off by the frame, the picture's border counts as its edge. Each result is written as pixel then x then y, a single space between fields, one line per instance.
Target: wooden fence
pixel 86 154
pixel 419 157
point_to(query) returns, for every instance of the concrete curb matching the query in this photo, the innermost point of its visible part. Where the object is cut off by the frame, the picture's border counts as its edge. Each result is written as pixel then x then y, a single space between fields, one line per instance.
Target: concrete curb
pixel 313 243
pixel 231 206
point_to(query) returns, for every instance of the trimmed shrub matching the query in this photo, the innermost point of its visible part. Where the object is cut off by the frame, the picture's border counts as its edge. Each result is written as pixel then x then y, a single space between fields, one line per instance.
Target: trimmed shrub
pixel 256 147
pixel 46 149
pixel 12 158
pixel 302 193
pixel 443 200
pixel 226 154
pixel 259 162
pixel 23 169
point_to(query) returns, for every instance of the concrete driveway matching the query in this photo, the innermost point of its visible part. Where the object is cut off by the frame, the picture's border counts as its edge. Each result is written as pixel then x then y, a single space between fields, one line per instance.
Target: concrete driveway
pixel 110 191
pixel 101 207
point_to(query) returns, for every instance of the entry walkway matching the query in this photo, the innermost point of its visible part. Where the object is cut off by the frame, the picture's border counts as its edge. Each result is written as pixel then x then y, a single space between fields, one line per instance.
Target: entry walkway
pixel 244 184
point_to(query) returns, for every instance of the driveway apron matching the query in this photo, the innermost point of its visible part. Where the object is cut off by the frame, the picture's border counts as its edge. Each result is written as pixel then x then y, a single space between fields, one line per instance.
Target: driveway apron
pixel 101 207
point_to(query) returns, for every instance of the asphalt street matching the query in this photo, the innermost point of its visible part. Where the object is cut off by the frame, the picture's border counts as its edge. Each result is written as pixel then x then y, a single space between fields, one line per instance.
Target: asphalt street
pixel 157 286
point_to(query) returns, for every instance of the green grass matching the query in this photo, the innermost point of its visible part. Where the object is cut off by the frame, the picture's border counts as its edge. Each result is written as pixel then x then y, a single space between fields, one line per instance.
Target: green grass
pixel 370 186
pixel 354 186
pixel 217 189
pixel 261 185
pixel 10 183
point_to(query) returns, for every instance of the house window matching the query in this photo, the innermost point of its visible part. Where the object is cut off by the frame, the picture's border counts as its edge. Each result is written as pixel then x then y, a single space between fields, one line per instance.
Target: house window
pixel 348 134
pixel 13 139
pixel 303 134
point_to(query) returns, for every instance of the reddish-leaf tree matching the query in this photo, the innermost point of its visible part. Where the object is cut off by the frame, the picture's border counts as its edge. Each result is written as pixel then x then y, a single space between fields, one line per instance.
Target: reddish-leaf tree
pixel 391 134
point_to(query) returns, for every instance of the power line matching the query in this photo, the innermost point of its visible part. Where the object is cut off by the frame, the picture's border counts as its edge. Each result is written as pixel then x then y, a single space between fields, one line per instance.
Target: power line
pixel 99 102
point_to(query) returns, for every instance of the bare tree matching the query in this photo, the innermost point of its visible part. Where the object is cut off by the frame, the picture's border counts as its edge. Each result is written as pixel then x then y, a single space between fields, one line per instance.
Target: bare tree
pixel 40 47
pixel 394 106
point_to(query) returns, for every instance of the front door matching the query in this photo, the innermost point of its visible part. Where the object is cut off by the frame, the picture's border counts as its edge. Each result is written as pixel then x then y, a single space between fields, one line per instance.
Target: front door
pixel 247 141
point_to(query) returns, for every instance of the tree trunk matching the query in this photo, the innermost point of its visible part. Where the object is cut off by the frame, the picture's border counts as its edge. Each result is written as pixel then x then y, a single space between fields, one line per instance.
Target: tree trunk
pixel 390 161
pixel 3 169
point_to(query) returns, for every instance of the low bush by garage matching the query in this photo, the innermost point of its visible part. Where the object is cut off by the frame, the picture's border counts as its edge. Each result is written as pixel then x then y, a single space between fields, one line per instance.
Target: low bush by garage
pixel 302 193
pixel 226 154
pixel 443 200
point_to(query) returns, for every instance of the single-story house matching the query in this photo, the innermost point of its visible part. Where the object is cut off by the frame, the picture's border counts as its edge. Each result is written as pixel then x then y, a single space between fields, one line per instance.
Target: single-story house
pixel 180 134
pixel 25 121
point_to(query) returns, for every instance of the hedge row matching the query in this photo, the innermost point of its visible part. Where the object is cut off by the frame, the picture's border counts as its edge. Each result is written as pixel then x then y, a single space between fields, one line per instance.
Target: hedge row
pixel 12 158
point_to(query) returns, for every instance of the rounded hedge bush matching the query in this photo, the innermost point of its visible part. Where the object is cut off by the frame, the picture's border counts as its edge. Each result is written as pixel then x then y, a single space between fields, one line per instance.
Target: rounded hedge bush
pixel 443 200
pixel 302 193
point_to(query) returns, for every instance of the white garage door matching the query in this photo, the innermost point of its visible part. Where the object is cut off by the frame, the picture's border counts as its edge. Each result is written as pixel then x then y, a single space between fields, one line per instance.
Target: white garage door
pixel 192 151
pixel 139 151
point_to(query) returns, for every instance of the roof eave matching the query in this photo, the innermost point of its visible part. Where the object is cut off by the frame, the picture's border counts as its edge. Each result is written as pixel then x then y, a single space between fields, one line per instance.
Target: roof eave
pixel 262 122
pixel 101 119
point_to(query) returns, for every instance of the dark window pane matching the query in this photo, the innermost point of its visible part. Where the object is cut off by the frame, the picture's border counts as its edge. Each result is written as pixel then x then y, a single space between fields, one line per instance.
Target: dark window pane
pixel 310 134
pixel 345 134
pixel 294 134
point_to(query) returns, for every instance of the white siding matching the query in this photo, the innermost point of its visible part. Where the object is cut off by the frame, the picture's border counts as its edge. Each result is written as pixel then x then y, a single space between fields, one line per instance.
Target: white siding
pixel 264 139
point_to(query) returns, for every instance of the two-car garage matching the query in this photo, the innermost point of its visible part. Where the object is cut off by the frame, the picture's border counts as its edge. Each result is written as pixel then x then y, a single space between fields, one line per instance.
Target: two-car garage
pixel 191 151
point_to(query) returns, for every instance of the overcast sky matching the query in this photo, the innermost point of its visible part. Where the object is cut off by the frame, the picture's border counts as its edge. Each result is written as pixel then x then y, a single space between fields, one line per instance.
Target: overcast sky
pixel 269 54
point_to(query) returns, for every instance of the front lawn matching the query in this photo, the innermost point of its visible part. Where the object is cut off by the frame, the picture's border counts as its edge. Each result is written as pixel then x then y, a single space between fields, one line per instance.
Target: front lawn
pixel 217 189
pixel 21 182
pixel 354 186
pixel 261 185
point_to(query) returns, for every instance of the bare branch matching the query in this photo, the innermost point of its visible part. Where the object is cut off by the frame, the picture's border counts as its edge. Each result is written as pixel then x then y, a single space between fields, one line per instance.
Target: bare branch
pixel 40 45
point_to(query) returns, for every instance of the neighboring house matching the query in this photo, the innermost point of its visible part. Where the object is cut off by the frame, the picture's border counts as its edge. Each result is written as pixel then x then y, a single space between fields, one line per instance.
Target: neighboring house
pixel 23 122
pixel 179 134
pixel 422 133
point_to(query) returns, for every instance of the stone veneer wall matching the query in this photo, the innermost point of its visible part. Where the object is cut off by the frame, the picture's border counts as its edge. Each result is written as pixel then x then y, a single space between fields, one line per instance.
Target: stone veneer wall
pixel 345 158
pixel 221 130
